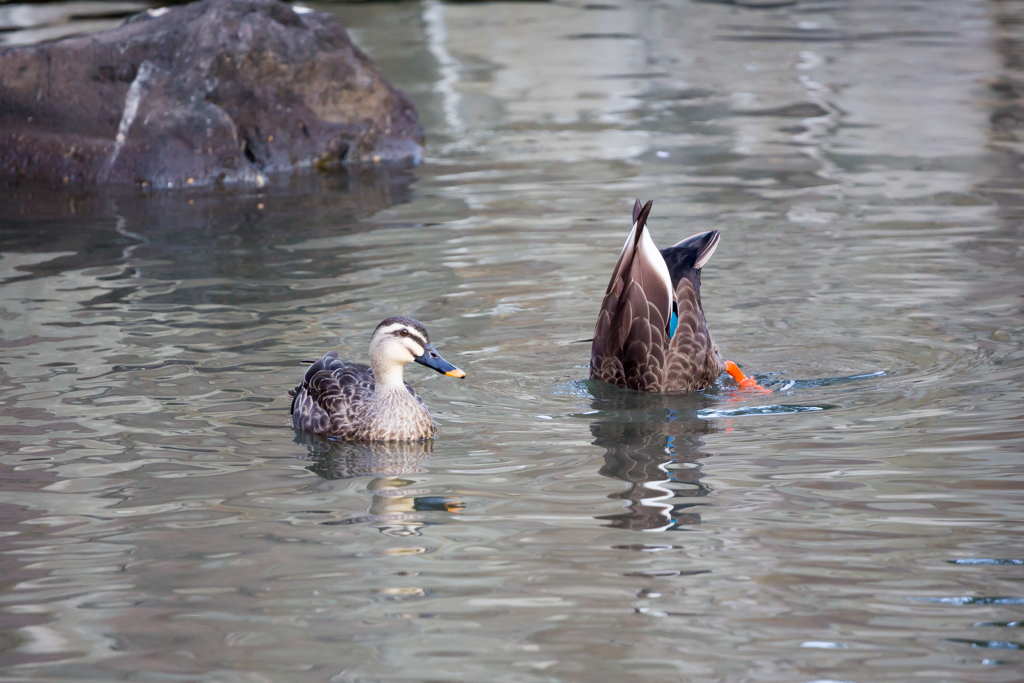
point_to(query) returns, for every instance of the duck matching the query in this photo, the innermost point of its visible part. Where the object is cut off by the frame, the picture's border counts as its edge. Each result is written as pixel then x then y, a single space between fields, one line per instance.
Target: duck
pixel 356 402
pixel 651 333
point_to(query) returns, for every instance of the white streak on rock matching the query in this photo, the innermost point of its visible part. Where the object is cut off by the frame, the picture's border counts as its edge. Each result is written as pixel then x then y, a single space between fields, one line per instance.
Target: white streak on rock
pixel 131 109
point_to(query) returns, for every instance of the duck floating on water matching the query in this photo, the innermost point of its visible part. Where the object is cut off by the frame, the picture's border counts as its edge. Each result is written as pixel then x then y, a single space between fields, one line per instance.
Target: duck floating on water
pixel 359 402
pixel 651 334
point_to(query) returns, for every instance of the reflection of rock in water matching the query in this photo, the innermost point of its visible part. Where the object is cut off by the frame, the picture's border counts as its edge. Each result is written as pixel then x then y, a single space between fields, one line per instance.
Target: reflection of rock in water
pixel 395 509
pixel 650 439
pixel 1007 118
pixel 205 239
pixel 998 250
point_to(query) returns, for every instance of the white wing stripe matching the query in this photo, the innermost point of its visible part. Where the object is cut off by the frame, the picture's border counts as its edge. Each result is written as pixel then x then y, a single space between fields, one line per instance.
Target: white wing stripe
pixel 649 253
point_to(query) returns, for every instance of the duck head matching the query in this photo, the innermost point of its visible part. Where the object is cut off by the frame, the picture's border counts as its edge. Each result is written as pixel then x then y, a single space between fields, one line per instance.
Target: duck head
pixel 399 340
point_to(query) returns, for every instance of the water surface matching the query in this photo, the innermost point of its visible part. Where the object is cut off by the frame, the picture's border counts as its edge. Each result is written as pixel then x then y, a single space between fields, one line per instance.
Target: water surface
pixel 862 522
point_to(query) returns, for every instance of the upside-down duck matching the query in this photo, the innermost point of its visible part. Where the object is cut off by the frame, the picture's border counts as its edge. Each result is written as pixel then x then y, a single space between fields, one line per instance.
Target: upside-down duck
pixel 651 334
pixel 357 402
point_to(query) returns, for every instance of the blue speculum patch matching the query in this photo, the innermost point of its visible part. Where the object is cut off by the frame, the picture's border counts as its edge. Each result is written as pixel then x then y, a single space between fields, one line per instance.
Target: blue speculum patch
pixel 673 323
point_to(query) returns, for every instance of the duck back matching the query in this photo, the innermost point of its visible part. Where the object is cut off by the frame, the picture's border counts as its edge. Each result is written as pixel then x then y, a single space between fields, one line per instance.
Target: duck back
pixel 332 396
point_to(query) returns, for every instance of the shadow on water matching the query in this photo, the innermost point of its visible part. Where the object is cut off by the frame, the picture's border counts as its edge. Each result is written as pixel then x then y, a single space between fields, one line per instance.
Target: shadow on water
pixel 395 508
pixel 652 443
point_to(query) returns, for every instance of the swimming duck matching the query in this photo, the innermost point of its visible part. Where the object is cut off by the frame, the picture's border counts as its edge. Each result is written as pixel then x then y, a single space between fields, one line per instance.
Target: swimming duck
pixel 651 334
pixel 357 402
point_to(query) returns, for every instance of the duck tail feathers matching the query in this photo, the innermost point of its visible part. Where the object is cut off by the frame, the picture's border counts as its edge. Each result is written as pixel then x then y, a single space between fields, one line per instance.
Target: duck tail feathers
pixel 637 208
pixel 690 254
pixel 640 214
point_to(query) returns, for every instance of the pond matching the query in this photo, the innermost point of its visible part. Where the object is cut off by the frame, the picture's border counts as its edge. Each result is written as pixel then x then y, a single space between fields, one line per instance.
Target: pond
pixel 161 521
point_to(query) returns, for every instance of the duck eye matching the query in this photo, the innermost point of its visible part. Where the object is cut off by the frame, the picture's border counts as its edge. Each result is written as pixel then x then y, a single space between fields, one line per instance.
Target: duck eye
pixel 405 333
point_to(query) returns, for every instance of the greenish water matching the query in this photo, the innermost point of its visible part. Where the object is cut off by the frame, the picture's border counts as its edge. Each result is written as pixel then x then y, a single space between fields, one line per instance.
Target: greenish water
pixel 863 522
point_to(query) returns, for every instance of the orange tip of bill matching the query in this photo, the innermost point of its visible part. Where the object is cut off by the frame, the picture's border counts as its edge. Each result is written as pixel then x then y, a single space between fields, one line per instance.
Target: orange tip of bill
pixel 456 373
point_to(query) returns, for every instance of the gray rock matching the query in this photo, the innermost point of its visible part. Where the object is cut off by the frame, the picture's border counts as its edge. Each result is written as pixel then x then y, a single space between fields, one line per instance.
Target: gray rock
pixel 219 91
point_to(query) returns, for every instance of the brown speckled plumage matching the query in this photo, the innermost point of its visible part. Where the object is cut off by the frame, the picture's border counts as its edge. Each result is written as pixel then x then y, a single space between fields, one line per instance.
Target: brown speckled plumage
pixel 632 346
pixel 338 398
pixel 346 400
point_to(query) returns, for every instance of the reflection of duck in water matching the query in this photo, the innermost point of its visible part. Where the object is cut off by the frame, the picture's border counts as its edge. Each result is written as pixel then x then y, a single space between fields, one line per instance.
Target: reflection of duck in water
pixel 651 334
pixel 651 443
pixel 371 403
pixel 348 459
pixel 395 508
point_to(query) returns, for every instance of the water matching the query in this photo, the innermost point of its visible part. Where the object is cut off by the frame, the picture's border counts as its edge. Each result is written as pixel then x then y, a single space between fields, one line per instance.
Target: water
pixel 860 523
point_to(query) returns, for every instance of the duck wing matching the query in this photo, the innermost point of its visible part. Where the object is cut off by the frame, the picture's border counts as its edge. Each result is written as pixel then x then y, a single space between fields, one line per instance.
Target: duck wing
pixel 693 360
pixel 632 331
pixel 331 395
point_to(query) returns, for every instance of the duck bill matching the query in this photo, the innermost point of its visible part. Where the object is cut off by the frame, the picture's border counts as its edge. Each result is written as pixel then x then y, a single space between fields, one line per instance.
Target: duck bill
pixel 432 359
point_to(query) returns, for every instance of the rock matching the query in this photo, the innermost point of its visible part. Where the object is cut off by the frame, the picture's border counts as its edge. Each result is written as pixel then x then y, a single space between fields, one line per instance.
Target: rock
pixel 219 91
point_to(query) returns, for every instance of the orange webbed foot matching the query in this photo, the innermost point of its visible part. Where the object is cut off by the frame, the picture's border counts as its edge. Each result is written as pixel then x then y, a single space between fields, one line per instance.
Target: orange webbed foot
pixel 742 381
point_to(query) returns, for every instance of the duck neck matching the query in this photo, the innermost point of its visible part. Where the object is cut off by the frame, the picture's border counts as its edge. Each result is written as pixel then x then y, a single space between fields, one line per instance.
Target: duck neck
pixel 388 378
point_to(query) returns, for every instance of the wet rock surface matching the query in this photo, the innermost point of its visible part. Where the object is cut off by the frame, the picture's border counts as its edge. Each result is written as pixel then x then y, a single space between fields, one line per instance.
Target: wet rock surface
pixel 219 91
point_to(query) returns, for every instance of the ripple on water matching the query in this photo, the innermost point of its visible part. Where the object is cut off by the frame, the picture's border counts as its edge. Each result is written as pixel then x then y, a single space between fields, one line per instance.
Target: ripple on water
pixel 777 409
pixel 975 600
pixel 988 644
